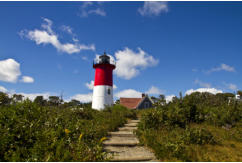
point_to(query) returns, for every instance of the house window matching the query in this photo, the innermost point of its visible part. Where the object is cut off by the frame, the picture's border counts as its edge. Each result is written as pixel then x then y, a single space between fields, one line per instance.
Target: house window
pixel 109 91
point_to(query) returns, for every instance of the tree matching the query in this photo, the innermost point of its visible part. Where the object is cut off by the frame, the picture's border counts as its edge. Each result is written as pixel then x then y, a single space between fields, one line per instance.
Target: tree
pixel 74 102
pixel 40 100
pixel 175 99
pixel 162 99
pixel 117 101
pixel 4 99
pixel 17 97
pixel 180 94
pixel 239 92
pixel 54 100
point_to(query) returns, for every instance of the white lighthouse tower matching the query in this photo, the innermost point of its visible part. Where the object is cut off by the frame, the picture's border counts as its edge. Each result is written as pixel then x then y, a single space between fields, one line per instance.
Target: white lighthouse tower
pixel 103 83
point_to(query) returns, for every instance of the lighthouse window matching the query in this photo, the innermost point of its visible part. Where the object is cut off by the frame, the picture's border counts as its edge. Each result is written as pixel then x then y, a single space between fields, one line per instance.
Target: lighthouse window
pixel 109 92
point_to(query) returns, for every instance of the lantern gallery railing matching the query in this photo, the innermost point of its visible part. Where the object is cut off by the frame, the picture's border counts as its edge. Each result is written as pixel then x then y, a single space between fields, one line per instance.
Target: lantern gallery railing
pixel 104 59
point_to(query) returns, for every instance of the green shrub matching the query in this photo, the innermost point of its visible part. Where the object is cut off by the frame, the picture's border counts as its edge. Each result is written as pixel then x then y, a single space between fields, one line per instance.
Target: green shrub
pixel 29 132
pixel 198 136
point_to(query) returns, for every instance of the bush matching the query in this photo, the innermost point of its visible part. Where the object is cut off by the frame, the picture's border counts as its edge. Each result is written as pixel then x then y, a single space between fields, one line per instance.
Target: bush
pixel 198 136
pixel 29 132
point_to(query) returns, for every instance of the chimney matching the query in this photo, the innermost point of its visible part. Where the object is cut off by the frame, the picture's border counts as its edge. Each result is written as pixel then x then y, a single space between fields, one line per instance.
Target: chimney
pixel 143 95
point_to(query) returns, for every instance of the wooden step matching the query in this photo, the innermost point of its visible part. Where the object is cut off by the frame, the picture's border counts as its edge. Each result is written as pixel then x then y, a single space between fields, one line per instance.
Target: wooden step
pixel 121 141
pixel 134 121
pixel 131 125
pixel 132 159
pixel 122 134
pixel 127 128
pixel 137 153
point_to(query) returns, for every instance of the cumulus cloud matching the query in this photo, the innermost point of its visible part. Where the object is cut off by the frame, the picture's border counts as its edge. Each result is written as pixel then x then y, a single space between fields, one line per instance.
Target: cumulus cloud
pixel 231 86
pixel 129 63
pixel 84 98
pixel 222 67
pixel 27 79
pixel 9 70
pixel 2 89
pixel 202 84
pixel 129 93
pixel 169 98
pixel 153 8
pixel 88 8
pixel 154 90
pixel 47 36
pixel 91 85
pixel 210 90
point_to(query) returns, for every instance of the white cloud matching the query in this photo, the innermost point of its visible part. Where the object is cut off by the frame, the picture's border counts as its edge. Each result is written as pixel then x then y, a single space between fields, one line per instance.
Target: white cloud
pixel 154 90
pixel 9 70
pixel 222 67
pixel 32 96
pixel 210 90
pixel 129 93
pixel 91 85
pixel 67 29
pixel 202 84
pixel 91 8
pixel 153 8
pixel 129 63
pixel 2 89
pixel 83 97
pixel 97 11
pixel 47 36
pixel 27 79
pixel 231 86
pixel 169 98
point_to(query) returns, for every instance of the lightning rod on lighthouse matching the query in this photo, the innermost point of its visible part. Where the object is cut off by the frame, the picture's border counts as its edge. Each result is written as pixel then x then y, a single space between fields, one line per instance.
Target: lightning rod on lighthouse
pixel 103 83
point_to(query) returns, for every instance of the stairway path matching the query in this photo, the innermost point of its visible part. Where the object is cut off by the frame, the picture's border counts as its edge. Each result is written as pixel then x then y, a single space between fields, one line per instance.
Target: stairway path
pixel 123 145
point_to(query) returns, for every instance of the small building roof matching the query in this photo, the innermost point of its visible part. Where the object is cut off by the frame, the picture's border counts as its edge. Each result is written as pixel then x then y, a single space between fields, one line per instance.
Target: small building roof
pixel 131 103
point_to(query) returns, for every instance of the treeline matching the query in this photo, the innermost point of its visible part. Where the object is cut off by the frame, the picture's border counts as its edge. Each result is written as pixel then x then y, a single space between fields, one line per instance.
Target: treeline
pixel 197 127
pixel 5 99
pixel 36 131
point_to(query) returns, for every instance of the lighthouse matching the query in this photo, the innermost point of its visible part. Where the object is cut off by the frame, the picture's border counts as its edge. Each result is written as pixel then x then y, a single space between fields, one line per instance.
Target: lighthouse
pixel 103 83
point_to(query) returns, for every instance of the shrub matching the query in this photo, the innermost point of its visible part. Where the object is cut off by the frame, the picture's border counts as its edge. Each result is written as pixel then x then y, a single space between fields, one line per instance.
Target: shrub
pixel 29 132
pixel 198 136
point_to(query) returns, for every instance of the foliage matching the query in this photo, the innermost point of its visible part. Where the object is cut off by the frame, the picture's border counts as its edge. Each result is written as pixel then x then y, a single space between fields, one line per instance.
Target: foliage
pixel 177 131
pixel 198 136
pixel 30 132
pixel 4 99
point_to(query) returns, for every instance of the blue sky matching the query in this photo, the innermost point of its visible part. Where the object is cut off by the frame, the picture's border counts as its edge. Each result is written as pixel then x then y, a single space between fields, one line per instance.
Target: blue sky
pixel 160 47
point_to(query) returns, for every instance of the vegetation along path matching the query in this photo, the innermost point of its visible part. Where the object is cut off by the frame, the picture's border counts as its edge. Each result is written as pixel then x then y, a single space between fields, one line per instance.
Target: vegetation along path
pixel 123 145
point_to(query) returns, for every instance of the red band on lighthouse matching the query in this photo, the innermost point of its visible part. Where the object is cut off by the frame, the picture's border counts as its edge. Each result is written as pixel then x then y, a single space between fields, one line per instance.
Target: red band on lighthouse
pixel 104 74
